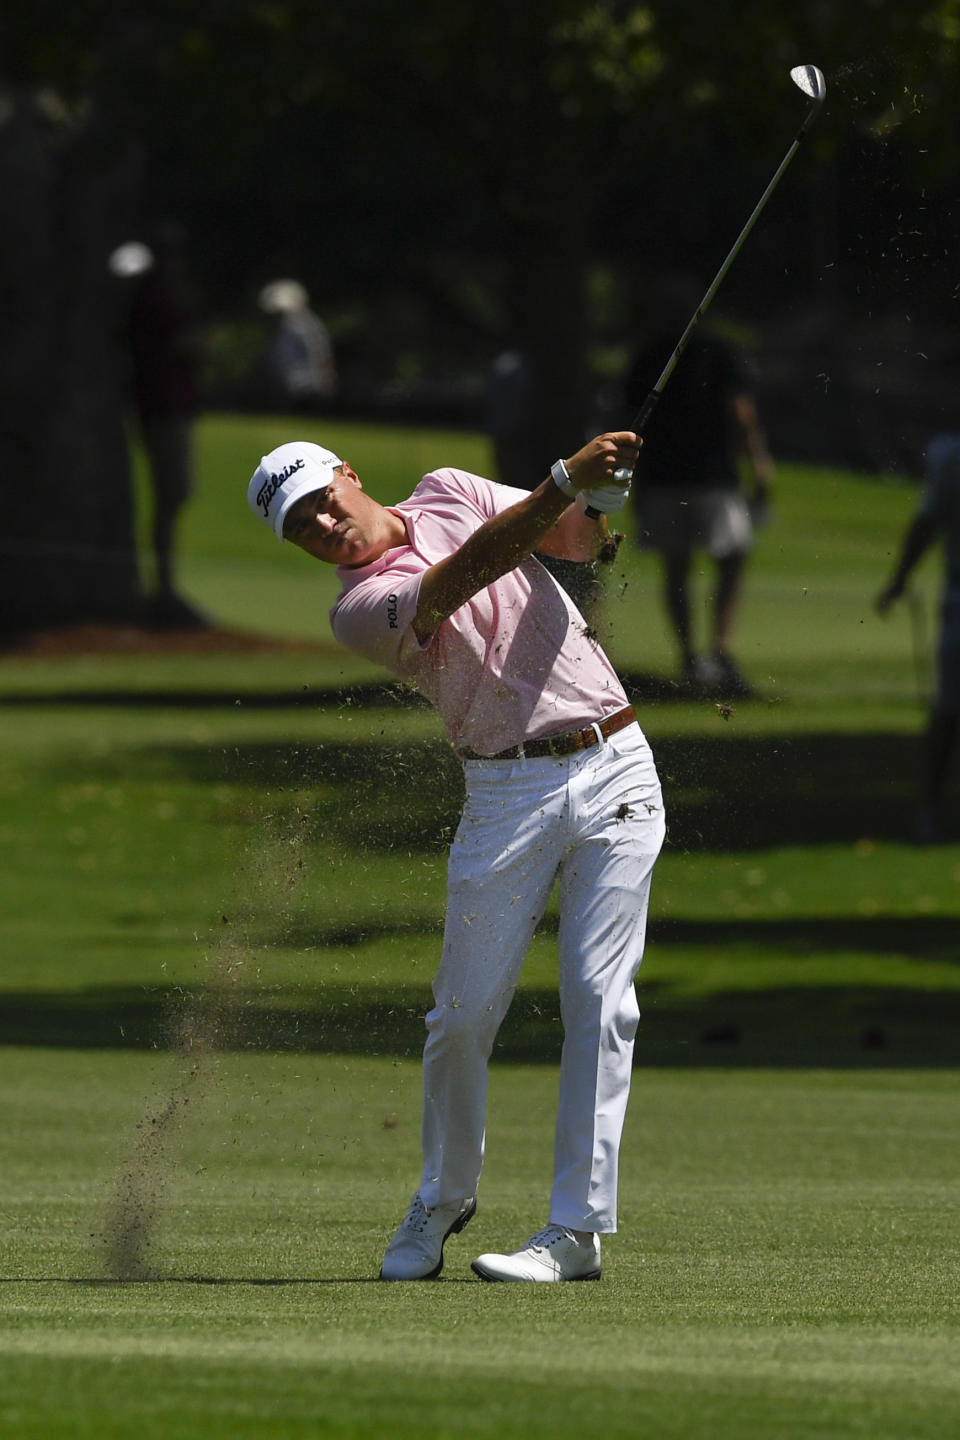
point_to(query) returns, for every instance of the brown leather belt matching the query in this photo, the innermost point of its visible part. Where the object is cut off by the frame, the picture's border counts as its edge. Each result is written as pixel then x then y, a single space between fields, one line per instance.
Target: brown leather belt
pixel 564 744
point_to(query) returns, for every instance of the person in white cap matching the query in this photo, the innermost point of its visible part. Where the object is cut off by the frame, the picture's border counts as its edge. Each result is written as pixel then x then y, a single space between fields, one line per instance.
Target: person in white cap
pixel 300 368
pixel 444 589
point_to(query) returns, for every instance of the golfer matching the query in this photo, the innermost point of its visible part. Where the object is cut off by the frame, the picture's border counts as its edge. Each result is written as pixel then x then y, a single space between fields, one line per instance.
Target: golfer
pixel 444 590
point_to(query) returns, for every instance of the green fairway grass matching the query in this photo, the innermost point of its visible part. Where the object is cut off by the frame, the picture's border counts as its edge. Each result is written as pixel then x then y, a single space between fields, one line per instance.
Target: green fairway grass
pixel 222 888
pixel 786 1266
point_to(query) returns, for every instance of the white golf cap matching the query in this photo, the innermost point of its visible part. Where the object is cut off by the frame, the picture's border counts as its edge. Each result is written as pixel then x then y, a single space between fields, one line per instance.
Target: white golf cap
pixel 294 469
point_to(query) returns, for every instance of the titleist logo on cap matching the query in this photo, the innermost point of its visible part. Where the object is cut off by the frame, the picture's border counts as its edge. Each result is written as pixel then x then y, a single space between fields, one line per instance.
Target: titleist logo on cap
pixel 272 484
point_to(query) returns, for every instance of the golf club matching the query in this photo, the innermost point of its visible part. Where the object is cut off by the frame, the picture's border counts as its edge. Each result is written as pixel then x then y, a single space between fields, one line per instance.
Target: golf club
pixel 810 80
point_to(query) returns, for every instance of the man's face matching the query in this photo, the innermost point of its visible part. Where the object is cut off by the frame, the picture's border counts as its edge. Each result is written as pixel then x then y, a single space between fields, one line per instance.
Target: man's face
pixel 339 524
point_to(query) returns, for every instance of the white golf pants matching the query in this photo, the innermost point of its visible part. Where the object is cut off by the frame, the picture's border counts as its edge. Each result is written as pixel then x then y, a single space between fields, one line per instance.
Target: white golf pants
pixel 595 820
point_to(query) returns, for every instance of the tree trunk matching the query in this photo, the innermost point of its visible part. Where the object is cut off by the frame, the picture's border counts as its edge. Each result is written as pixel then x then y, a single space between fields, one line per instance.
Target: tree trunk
pixel 67 540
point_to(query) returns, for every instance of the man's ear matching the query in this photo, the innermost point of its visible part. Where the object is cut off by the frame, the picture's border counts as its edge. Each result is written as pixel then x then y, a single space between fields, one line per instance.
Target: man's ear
pixel 351 475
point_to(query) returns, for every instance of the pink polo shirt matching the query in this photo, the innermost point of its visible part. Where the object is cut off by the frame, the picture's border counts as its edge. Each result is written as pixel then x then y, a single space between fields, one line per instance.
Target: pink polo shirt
pixel 514 663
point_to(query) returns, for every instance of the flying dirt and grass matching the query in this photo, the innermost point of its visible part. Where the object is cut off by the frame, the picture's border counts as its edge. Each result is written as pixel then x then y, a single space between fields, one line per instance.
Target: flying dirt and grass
pixel 223 885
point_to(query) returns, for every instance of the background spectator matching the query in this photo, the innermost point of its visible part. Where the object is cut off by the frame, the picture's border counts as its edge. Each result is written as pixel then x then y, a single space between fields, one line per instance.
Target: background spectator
pixel 938 515
pixel 300 368
pixel 166 347
pixel 688 495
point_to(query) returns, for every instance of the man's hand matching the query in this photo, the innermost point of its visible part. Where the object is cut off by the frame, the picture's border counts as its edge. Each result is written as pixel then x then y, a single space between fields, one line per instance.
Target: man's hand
pixel 510 536
pixel 887 596
pixel 595 465
pixel 921 533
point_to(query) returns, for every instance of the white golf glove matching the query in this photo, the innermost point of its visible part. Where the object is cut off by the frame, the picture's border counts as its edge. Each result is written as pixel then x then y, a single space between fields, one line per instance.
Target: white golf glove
pixel 607 499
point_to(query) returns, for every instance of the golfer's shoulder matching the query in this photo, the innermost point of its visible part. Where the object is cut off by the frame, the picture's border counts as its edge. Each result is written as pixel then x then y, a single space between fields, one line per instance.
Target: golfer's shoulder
pixel 450 478
pixel 449 487
pixel 374 609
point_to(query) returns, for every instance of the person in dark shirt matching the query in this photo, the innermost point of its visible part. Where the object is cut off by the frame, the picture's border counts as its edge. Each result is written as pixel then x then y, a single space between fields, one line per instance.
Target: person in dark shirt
pixel 687 492
pixel 166 349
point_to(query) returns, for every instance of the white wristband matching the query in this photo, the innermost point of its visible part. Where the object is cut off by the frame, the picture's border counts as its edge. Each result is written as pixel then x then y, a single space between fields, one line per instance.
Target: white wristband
pixel 561 478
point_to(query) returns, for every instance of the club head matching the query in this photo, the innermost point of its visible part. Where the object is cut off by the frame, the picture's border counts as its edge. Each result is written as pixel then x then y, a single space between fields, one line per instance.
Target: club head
pixel 811 81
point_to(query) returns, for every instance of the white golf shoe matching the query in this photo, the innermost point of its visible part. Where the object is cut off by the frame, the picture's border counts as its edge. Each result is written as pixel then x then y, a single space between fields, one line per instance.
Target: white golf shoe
pixel 416 1251
pixel 554 1253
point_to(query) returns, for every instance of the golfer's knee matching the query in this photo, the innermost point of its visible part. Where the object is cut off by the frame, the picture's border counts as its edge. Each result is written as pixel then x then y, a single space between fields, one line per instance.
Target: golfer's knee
pixel 455 1025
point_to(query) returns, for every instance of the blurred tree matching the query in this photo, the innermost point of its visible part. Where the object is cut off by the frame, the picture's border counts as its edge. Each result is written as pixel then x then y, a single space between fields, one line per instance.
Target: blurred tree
pixel 66 544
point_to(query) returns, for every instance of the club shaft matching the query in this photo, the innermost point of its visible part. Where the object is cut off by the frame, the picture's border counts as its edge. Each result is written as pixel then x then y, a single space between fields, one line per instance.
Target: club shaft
pixel 639 421
pixel 650 403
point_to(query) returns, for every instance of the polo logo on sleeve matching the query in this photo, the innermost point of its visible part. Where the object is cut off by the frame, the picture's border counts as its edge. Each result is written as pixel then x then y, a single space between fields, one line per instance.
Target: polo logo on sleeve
pixel 273 483
pixel 392 611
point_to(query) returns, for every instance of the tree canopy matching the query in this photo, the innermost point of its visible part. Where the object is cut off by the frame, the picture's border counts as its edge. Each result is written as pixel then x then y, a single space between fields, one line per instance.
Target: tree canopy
pixel 452 175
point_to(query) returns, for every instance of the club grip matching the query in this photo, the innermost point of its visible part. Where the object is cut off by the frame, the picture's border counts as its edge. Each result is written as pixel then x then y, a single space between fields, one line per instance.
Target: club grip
pixel 638 425
pixel 646 410
pixel 625 477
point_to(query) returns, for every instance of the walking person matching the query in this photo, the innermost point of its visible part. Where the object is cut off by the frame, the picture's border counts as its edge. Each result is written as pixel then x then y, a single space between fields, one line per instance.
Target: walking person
pixel 688 495
pixel 445 590
pixel 937 516
pixel 167 348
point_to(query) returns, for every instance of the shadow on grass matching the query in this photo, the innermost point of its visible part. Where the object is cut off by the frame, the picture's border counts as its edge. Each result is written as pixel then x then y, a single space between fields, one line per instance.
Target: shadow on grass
pixel 267 1281
pixel 374 695
pixel 854 1025
pixel 723 794
pixel 921 937
pixel 642 689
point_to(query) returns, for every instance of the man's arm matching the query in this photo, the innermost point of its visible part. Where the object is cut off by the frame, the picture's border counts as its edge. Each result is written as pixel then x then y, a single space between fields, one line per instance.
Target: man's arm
pixel 574 537
pixel 753 443
pixel 920 535
pixel 501 542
